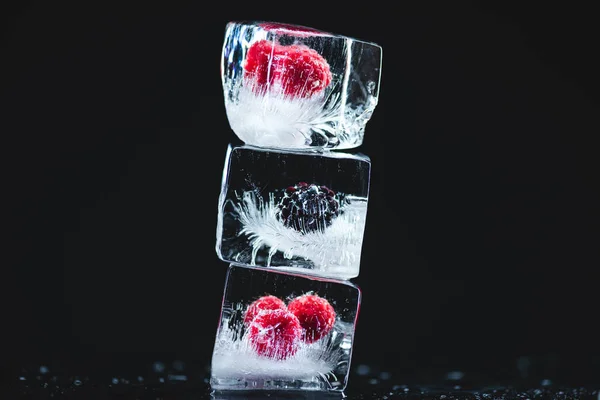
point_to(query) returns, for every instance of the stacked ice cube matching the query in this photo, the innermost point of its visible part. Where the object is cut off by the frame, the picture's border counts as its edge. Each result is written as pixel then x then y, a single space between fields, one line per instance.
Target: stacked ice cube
pixel 292 207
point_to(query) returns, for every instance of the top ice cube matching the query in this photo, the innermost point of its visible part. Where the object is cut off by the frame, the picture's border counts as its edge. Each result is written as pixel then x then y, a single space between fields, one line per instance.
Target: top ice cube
pixel 293 87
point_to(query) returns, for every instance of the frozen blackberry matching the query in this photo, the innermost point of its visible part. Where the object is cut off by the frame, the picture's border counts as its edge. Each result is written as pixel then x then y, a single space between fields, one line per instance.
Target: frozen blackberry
pixel 308 207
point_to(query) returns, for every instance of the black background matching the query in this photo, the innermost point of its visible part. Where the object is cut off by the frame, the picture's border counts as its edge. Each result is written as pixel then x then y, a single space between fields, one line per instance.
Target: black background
pixel 481 248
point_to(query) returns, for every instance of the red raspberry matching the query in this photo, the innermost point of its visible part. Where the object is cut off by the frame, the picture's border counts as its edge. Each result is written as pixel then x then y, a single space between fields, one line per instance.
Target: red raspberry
pixel 300 70
pixel 275 334
pixel 263 303
pixel 316 316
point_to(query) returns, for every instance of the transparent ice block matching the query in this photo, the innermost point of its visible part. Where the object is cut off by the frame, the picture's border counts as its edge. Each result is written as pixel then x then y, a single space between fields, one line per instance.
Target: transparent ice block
pixel 274 346
pixel 294 211
pixel 294 87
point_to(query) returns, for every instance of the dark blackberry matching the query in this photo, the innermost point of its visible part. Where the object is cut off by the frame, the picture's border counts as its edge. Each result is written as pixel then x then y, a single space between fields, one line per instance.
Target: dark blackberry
pixel 308 207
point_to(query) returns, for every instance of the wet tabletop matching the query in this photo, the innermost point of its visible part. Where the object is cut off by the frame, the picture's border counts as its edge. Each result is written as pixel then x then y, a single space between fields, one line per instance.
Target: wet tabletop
pixel 180 380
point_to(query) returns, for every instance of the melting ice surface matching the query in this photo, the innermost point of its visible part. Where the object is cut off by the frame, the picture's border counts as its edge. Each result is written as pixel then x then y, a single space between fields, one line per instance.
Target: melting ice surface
pixel 335 250
pixel 234 358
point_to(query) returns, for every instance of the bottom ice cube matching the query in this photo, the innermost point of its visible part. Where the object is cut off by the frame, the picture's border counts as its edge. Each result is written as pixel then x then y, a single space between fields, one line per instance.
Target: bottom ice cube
pixel 280 330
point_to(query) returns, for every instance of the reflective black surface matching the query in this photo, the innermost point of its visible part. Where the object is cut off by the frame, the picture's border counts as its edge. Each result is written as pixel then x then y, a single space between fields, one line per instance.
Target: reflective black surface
pixel 181 380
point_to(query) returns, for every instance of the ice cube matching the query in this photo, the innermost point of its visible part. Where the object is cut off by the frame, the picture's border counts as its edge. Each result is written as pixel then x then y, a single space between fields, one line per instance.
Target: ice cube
pixel 291 210
pixel 280 330
pixel 294 87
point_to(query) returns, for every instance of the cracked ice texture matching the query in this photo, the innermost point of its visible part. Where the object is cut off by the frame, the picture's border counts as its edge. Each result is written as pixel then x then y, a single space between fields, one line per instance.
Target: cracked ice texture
pixel 293 87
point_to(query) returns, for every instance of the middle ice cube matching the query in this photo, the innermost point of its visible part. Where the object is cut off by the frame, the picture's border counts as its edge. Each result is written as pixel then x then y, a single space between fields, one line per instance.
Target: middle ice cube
pixel 294 211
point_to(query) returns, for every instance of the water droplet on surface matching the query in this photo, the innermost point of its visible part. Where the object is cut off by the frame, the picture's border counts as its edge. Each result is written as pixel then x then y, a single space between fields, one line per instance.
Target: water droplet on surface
pixel 455 375
pixel 363 369
pixel 158 367
pixel 384 375
pixel 178 365
pixel 115 381
pixel 77 382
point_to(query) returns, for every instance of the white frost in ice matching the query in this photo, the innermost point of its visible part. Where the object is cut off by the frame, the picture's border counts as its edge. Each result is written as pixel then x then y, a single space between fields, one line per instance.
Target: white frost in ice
pixel 335 250
pixel 277 120
pixel 234 358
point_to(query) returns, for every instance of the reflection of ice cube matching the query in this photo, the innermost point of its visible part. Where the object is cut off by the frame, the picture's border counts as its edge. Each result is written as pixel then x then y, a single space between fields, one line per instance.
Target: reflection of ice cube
pixel 249 230
pixel 321 365
pixel 293 87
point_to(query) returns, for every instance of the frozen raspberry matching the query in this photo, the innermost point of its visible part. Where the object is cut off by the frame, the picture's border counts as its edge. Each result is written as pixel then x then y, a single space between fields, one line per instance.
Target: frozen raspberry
pixel 316 316
pixel 299 70
pixel 275 334
pixel 308 208
pixel 263 303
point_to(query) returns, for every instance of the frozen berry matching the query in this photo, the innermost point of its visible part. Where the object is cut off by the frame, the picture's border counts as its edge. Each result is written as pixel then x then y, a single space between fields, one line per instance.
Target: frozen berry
pixel 275 334
pixel 263 303
pixel 299 70
pixel 308 208
pixel 316 316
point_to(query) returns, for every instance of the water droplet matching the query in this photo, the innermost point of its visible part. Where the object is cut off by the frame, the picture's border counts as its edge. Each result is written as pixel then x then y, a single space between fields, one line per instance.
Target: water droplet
pixel 22 378
pixel 455 375
pixel 161 379
pixel 178 365
pixel 44 370
pixel 140 379
pixel 115 381
pixel 363 369
pixel 77 382
pixel 384 375
pixel 177 378
pixel 158 367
